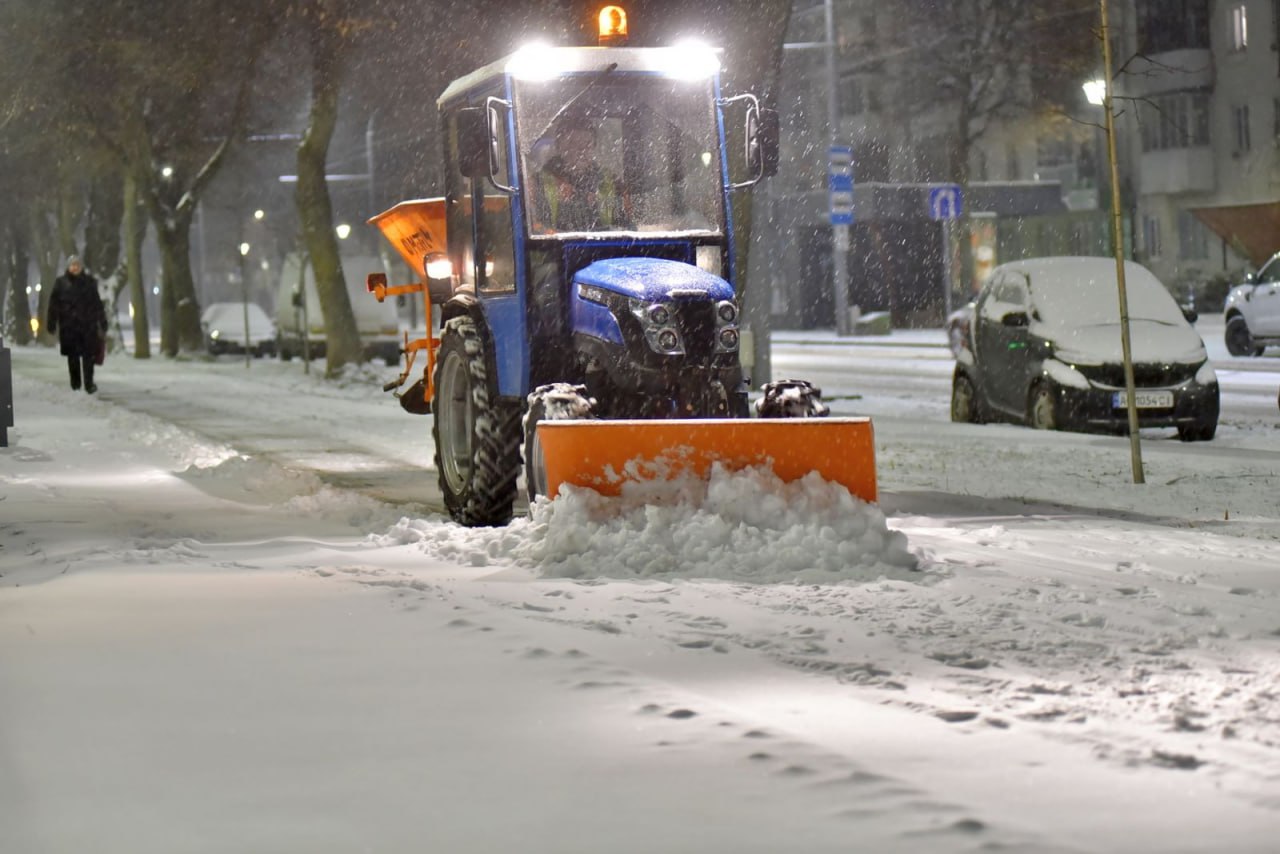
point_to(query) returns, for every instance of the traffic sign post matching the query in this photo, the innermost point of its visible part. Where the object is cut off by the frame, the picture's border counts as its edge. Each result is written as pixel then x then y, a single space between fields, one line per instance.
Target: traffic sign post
pixel 945 203
pixel 840 194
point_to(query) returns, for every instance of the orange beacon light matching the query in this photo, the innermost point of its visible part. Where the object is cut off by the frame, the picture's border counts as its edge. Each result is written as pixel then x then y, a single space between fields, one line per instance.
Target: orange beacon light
pixel 613 26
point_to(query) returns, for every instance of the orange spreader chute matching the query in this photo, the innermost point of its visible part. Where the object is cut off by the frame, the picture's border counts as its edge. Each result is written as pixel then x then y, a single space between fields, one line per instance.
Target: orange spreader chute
pixel 603 455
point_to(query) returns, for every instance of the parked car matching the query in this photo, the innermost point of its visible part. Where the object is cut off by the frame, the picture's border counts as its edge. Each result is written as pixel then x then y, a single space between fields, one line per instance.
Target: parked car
pixel 957 328
pixel 1044 348
pixel 299 317
pixel 1252 312
pixel 223 324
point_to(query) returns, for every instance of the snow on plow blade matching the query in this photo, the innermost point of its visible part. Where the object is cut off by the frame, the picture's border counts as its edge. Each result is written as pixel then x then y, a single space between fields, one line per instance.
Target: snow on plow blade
pixel 603 455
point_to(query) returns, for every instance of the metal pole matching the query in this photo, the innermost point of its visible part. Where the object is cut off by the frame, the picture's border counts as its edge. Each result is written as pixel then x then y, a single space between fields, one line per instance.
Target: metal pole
pixel 839 233
pixel 1135 446
pixel 946 268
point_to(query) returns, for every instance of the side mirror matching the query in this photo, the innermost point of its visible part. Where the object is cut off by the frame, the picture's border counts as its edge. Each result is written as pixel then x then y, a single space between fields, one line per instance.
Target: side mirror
pixel 474 143
pixel 1190 313
pixel 1016 319
pixel 1251 278
pixel 763 141
pixel 374 281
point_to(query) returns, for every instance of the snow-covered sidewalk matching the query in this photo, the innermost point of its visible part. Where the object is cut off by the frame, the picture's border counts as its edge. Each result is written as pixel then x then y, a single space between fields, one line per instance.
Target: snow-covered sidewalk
pixel 207 651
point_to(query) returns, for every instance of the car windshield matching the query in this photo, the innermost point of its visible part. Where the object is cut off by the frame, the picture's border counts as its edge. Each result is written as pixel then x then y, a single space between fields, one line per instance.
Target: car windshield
pixel 1083 292
pixel 623 154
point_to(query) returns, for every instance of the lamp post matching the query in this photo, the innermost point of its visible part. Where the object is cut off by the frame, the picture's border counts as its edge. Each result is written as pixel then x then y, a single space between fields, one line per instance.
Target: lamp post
pixel 244 295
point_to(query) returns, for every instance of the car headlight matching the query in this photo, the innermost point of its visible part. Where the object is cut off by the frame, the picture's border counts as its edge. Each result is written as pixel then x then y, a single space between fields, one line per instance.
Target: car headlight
pixel 1206 375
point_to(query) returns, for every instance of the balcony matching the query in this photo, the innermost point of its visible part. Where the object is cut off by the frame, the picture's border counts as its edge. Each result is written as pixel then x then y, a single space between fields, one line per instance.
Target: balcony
pixel 1176 170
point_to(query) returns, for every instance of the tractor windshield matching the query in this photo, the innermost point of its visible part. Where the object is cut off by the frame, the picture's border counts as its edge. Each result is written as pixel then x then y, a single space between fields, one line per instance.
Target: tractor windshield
pixel 619 154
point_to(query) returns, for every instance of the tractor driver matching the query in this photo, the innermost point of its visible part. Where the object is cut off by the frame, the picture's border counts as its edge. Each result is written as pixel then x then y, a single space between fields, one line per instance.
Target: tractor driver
pixel 575 193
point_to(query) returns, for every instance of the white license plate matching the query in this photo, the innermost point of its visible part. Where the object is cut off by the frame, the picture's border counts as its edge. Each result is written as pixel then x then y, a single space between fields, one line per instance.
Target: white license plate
pixel 1144 399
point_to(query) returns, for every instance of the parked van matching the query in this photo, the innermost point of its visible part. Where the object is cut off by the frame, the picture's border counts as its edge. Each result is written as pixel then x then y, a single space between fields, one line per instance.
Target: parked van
pixel 298 309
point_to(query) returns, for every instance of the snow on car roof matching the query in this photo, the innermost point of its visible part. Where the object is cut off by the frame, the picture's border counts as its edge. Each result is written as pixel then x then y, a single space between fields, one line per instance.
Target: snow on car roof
pixel 1081 291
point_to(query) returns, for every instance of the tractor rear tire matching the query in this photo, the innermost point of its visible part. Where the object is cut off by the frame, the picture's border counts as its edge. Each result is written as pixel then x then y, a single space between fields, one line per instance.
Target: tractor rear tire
pixel 477 434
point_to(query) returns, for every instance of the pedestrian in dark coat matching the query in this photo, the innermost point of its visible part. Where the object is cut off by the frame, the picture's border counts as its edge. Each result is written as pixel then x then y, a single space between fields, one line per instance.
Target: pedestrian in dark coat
pixel 77 315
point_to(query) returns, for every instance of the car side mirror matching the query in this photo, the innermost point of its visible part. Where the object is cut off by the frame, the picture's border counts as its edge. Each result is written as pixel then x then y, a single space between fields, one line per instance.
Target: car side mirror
pixel 1190 313
pixel 1251 278
pixel 1016 318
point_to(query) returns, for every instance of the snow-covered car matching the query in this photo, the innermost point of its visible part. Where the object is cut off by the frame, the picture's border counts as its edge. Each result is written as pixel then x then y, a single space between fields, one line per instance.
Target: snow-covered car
pixel 223 325
pixel 957 328
pixel 1252 312
pixel 1045 349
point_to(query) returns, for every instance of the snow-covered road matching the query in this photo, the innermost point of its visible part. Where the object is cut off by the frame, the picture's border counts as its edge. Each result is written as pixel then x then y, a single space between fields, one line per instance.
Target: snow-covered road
pixel 195 574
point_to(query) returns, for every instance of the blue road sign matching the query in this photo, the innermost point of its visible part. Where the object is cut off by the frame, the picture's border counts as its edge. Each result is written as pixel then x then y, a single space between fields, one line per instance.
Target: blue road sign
pixel 840 184
pixel 945 201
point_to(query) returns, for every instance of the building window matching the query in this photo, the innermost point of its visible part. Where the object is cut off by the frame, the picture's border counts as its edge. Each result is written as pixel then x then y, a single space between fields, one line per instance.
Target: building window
pixel 1166 25
pixel 1151 236
pixel 1240 124
pixel 1239 27
pixel 1179 120
pixel 1193 237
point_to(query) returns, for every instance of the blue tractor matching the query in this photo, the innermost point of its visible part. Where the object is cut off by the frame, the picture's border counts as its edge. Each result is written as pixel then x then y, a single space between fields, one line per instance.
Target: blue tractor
pixel 581 258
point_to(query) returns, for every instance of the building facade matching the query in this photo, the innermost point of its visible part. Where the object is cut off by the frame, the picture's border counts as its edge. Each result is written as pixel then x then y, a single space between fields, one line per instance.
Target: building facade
pixel 1203 139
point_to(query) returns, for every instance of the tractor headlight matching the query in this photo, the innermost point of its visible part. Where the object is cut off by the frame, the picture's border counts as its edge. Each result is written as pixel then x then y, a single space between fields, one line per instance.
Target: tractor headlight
pixel 727 312
pixel 728 338
pixel 658 322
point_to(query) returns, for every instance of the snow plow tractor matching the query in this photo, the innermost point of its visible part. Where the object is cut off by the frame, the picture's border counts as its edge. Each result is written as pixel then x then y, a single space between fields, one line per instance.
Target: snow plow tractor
pixel 580 269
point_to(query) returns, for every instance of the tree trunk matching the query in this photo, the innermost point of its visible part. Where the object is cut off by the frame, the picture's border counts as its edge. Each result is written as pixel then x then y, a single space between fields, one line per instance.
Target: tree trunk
pixel 18 315
pixel 42 235
pixel 315 211
pixel 102 229
pixel 135 231
pixel 179 307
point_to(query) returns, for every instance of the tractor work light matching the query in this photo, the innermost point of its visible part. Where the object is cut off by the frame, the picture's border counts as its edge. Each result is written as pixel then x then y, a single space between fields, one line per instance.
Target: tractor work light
pixel 534 62
pixel 438 266
pixel 612 26
pixel 727 312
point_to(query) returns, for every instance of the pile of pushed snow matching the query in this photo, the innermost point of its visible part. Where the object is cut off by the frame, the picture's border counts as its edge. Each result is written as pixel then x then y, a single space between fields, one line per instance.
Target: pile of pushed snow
pixel 744 525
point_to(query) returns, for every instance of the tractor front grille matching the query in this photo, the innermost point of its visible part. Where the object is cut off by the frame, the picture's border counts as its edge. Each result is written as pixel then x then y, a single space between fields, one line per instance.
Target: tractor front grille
pixel 696 320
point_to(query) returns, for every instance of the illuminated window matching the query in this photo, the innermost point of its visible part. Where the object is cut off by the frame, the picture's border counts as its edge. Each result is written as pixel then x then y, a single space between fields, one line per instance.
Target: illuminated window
pixel 1239 27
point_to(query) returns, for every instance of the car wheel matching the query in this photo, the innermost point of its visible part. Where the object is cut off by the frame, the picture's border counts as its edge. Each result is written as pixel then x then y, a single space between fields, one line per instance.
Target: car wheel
pixel 1239 339
pixel 477 435
pixel 964 401
pixel 1201 432
pixel 1042 413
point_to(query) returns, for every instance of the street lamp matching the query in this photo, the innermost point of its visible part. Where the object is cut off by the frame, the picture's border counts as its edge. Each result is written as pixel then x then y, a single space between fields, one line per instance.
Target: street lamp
pixel 1095 92
pixel 259 214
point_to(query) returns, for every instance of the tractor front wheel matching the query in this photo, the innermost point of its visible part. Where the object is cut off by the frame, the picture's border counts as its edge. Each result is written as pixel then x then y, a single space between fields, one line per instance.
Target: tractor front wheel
pixel 477 434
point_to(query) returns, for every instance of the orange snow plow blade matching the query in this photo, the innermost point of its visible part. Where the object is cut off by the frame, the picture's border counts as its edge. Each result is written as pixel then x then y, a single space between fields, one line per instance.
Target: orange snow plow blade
pixel 603 455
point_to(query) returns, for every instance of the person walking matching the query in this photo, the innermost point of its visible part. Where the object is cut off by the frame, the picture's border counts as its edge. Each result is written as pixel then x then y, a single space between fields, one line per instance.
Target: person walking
pixel 77 315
